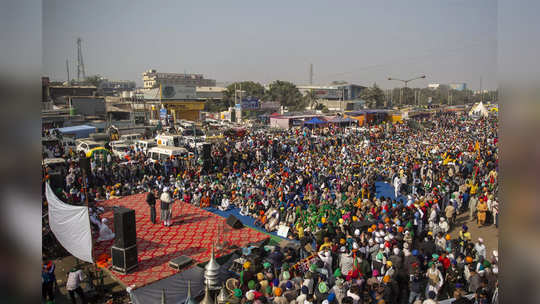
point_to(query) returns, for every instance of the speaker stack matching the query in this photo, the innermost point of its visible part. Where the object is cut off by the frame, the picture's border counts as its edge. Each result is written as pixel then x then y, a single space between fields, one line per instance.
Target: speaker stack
pixel 124 249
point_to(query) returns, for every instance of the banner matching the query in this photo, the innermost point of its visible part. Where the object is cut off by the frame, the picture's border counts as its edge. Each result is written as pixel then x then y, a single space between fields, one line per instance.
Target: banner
pixel 71 226
pixel 250 103
pixel 174 91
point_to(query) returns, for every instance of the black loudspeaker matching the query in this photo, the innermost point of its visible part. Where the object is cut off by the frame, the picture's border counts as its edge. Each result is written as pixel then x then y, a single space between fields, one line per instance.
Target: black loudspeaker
pixel 124 259
pixel 234 222
pixel 180 262
pixel 84 164
pixel 206 151
pixel 124 227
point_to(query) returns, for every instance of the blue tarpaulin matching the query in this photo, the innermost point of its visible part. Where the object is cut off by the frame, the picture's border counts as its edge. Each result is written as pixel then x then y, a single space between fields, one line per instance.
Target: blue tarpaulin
pixel 315 121
pixel 246 220
pixel 82 131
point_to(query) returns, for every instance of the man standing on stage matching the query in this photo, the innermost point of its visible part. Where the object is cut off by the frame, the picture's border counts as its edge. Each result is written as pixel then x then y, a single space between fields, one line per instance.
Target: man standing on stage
pixel 151 201
pixel 166 202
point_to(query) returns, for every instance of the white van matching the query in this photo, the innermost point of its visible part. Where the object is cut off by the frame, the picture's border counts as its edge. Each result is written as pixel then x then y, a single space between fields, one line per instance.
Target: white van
pixel 87 145
pixel 130 138
pixel 120 150
pixel 162 153
pixel 145 145
pixel 170 140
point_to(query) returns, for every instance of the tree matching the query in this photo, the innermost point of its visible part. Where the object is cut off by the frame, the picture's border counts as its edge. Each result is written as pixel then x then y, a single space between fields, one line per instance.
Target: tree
pixel 249 88
pixel 311 99
pixel 287 94
pixel 373 96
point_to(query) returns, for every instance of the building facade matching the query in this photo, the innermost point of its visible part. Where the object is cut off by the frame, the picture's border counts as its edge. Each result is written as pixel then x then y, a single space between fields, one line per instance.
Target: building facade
pixel 212 93
pixel 338 92
pixel 153 79
pixel 110 87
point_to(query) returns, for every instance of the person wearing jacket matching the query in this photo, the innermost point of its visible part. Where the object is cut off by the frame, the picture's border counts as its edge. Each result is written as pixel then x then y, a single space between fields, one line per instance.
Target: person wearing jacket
pixel 151 201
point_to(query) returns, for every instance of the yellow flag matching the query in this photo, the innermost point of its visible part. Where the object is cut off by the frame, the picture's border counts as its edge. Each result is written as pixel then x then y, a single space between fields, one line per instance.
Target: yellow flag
pixel 477 146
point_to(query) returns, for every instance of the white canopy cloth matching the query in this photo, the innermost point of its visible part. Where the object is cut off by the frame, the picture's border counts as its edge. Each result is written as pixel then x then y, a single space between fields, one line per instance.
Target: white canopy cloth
pixel 71 226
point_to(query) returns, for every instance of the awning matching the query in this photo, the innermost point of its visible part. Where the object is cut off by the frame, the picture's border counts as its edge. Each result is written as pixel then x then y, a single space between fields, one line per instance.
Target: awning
pixel 315 121
pixel 341 120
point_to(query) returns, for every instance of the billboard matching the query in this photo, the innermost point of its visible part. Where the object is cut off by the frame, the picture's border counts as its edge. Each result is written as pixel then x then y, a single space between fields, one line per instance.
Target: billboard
pixel 270 105
pixel 328 93
pixel 162 113
pixel 250 103
pixel 174 91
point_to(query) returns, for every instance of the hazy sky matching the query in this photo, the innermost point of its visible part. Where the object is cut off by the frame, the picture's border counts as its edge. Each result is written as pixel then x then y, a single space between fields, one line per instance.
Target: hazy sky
pixel 357 41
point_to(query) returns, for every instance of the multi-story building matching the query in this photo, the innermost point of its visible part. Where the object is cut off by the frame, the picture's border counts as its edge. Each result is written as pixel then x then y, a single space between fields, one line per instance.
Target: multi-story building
pixel 334 92
pixel 153 79
pixel 207 93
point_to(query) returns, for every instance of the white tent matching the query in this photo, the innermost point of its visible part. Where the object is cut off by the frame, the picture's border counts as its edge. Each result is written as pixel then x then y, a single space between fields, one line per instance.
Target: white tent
pixel 479 110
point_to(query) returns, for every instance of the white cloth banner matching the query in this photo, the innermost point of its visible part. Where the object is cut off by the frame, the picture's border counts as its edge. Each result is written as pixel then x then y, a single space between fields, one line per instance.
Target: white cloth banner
pixel 71 226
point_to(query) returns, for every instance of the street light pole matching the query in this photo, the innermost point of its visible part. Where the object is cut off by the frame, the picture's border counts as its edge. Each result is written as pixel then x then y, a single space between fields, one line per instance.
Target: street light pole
pixel 405 82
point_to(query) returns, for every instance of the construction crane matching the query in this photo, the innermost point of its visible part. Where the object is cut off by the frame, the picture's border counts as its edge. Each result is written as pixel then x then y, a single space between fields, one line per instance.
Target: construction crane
pixel 80 62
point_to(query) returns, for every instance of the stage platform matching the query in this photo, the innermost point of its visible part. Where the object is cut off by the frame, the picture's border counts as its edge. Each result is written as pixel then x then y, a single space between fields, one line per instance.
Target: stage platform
pixel 192 234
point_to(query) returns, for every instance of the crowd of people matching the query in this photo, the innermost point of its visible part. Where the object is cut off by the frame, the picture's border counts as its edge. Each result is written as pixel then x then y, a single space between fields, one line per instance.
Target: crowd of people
pixel 321 183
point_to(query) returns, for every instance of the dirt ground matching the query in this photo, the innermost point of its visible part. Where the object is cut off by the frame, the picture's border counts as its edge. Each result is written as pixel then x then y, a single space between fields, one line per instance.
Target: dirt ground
pixel 490 234
pixel 111 288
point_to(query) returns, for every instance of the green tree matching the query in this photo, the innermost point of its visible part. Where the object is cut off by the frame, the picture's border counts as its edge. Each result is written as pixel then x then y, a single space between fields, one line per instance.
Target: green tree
pixel 373 96
pixel 311 99
pixel 287 94
pixel 249 88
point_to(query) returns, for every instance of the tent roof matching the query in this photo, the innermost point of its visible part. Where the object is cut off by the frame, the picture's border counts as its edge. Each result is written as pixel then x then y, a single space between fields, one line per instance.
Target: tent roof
pixel 76 128
pixel 479 108
pixel 341 119
pixel 315 121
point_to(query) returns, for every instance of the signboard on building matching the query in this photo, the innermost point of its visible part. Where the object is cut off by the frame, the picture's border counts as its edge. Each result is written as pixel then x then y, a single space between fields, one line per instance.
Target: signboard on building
pixel 250 103
pixel 328 93
pixel 269 105
pixel 174 91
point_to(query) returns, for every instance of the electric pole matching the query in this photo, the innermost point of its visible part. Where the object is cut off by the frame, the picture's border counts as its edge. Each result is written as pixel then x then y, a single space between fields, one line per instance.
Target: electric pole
pixel 311 74
pixel 405 82
pixel 481 91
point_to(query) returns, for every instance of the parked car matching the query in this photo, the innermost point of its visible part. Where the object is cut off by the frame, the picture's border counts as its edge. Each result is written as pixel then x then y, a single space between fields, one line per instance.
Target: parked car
pixel 87 145
pixel 145 145
pixel 120 151
pixel 193 142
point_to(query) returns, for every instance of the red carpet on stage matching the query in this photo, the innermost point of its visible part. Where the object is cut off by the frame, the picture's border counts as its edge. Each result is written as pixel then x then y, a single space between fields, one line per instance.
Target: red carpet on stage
pixel 192 234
